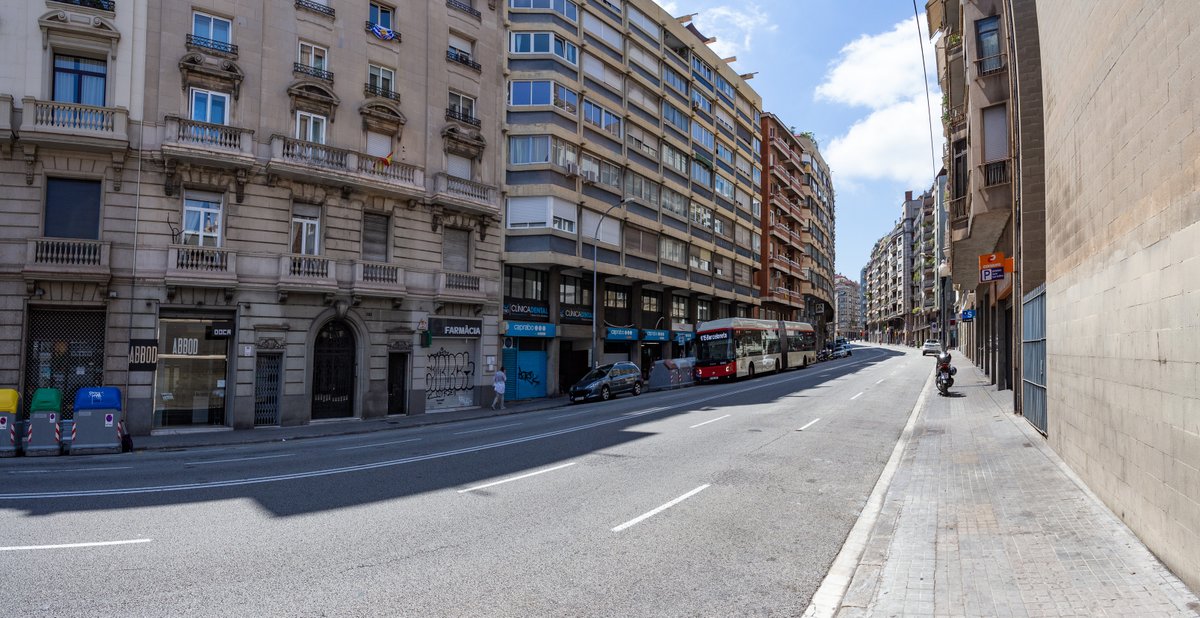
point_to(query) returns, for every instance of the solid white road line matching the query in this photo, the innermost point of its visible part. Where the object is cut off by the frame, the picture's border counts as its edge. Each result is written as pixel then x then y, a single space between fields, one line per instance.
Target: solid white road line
pixel 856 397
pixel 217 461
pixel 462 433
pixel 516 478
pixel 646 411
pixel 707 422
pixel 351 448
pixel 881 381
pixel 74 545
pixel 660 509
pixel 810 424
pixel 577 413
pixel 71 470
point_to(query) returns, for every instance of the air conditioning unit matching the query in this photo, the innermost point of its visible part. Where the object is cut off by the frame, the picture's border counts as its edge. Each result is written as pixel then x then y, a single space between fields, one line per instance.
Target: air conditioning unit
pixel 695 105
pixel 572 170
pixel 590 176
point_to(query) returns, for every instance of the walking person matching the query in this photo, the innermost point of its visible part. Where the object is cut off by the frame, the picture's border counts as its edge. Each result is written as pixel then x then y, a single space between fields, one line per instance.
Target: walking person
pixel 499 381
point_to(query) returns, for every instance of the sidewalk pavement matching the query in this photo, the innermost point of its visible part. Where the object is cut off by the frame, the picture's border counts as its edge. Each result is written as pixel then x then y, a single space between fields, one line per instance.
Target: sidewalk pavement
pixel 982 518
pixel 185 439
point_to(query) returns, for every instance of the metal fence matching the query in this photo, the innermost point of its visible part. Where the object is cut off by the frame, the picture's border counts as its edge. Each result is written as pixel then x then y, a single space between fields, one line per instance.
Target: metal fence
pixel 1033 353
pixel 63 350
pixel 267 370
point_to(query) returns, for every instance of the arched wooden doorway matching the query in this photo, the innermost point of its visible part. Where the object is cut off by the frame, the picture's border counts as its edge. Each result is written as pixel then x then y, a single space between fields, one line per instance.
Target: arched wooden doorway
pixel 333 372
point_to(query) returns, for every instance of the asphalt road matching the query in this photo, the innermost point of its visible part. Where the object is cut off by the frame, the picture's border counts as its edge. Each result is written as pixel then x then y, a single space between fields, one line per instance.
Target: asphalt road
pixel 727 499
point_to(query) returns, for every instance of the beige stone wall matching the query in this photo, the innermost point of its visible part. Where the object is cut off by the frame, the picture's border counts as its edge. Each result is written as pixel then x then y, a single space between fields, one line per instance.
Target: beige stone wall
pixel 1122 107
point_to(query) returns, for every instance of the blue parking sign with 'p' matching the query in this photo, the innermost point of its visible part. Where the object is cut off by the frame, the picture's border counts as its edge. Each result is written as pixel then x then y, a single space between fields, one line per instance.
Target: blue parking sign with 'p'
pixel 991 273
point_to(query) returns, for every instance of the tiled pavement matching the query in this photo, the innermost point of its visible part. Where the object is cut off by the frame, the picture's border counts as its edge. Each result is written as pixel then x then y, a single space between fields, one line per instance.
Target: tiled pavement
pixel 983 519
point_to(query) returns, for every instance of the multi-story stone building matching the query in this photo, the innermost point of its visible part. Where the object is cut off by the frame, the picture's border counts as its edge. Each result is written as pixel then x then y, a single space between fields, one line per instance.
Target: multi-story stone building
pixel 849 306
pixel 632 149
pixel 798 232
pixel 297 218
pixel 923 320
pixel 895 312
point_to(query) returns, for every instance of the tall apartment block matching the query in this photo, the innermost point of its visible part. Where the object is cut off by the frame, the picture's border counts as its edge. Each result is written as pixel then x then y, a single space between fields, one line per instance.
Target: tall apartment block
pixel 253 213
pixel 796 276
pixel 849 307
pixel 923 304
pixel 630 146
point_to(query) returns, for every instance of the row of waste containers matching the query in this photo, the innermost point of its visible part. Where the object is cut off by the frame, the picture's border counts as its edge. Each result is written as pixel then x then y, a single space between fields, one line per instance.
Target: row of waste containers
pixel 97 427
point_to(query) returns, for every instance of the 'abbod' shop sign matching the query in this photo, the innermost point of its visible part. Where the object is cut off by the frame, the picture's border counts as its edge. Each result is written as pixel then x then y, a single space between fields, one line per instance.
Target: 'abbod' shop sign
pixel 455 327
pixel 143 354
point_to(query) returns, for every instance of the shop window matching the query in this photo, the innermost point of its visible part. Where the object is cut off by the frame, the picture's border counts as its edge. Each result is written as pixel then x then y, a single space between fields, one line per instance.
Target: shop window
pixel 72 208
pixel 189 387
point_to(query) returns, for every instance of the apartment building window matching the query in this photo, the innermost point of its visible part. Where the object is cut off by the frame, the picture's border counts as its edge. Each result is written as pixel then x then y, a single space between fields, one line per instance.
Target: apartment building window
pixel 209 106
pixel 674 159
pixel 375 237
pixel 562 153
pixel 702 70
pixel 574 291
pixel 566 8
pixel 616 296
pixel 987 34
pixel 310 127
pixel 641 188
pixel 530 93
pixel 462 107
pixel 600 171
pixel 647 25
pixel 679 308
pixel 725 88
pixel 672 250
pixel 72 209
pixel 741 236
pixel 674 202
pixel 642 141
pixel 723 226
pixel 460 50
pixel 723 186
pixel 80 80
pixel 676 117
pixel 703 310
pixel 702 171
pixel 601 71
pixel 702 216
pixel 606 230
pixel 528 149
pixel 306 229
pixel 212 32
pixel 722 267
pixel 543 43
pixel 459 166
pixel 651 302
pixel 602 118
pixel 741 274
pixel 605 32
pixel 563 224
pixel 641 56
pixel 756 175
pixel 526 283
pixel 456 250
pixel 640 96
pixel 381 15
pixel 381 79
pixel 701 102
pixel 743 165
pixel 641 242
pixel 703 136
pixel 312 56
pixel 201 220
pixel 675 79
pixel 724 153
pixel 724 119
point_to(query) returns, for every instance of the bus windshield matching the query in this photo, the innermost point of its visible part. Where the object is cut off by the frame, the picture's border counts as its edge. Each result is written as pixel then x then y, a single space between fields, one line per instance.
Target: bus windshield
pixel 715 346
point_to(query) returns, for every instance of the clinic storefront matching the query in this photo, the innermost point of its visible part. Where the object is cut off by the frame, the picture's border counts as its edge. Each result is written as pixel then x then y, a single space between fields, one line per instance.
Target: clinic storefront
pixel 526 359
pixel 192 372
pixel 452 367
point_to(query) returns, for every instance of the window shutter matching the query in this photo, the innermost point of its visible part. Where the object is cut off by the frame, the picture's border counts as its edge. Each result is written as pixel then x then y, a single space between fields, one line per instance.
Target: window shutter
pixel 375 237
pixel 456 250
pixel 526 212
pixel 378 144
pixel 460 43
pixel 458 166
pixel 565 210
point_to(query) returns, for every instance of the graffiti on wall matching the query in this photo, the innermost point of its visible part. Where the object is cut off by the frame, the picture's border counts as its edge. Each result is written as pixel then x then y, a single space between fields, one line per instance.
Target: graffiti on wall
pixel 450 378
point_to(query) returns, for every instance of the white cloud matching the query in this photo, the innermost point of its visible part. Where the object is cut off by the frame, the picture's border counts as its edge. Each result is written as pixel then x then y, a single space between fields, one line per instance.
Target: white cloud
pixel 891 143
pixel 883 73
pixel 734 27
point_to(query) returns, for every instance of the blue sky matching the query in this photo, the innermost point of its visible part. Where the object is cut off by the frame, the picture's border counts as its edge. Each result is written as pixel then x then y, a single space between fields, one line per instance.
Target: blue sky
pixel 850 72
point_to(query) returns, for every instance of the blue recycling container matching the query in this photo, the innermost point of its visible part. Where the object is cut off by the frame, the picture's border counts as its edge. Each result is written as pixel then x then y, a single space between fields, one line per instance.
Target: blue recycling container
pixel 98 423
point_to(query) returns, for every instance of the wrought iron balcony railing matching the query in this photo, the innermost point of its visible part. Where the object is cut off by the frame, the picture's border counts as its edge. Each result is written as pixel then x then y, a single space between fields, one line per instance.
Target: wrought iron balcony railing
pixel 457 113
pixel 379 91
pixel 990 65
pixel 103 5
pixel 211 44
pixel 315 7
pixel 458 5
pixel 996 173
pixel 463 59
pixel 316 72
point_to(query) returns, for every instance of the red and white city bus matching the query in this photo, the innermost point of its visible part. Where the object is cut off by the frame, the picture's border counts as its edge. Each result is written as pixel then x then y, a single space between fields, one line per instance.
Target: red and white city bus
pixel 745 347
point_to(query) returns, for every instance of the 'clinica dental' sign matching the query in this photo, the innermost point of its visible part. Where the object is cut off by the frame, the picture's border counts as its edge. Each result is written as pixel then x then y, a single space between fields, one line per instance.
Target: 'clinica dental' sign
pixel 455 327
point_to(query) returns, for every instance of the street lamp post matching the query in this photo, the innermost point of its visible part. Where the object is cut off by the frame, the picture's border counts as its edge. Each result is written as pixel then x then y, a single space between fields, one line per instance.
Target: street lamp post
pixel 596 277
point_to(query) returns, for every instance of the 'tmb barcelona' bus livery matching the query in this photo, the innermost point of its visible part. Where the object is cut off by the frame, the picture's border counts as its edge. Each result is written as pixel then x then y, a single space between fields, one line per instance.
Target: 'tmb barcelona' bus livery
pixel 744 347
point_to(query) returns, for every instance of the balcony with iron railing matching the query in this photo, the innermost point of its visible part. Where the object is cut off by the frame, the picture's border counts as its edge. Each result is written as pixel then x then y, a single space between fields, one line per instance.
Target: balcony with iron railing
pixel 316 7
pixel 372 90
pixel 87 127
pixel 302 160
pixel 991 65
pixel 996 173
pixel 474 196
pixel 204 44
pixel 207 143
pixel 101 5
pixel 460 114
pixel 382 33
pixel 464 7
pixel 67 259
pixel 201 267
pixel 464 59
pixel 311 71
